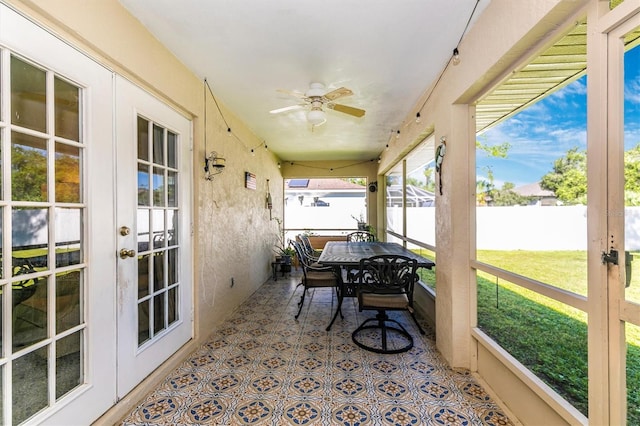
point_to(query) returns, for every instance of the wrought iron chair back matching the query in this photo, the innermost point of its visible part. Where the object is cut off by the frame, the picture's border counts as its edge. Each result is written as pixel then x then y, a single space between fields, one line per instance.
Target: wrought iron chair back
pixel 361 236
pixel 312 276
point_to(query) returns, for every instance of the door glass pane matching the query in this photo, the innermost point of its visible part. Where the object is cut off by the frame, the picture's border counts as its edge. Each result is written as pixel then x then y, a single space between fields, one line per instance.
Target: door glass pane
pixel 158 145
pixel 143 139
pixel 158 228
pixel 28 168
pixel 631 257
pixel 69 374
pixel 67 176
pixel 172 179
pixel 158 313
pixel 67 109
pixel 158 186
pixel 143 275
pixel 172 227
pixel 144 332
pixel 68 293
pixel 30 238
pixel 173 306
pixel 143 185
pixel 158 271
pixel 172 147
pixel 68 236
pixel 143 225
pixel 28 95
pixel 30 388
pixel 173 266
pixel 30 312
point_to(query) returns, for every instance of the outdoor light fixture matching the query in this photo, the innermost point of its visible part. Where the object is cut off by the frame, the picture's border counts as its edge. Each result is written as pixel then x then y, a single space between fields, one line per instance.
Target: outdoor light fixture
pixel 418 117
pixel 213 165
pixel 456 57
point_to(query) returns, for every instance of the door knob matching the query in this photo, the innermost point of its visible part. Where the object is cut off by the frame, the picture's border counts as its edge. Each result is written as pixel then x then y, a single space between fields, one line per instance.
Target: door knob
pixel 124 253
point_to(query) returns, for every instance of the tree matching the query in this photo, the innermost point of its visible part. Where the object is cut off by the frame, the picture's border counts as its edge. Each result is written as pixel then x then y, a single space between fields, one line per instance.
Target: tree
pixel 485 187
pixel 499 151
pixel 506 196
pixel 568 180
pixel 28 174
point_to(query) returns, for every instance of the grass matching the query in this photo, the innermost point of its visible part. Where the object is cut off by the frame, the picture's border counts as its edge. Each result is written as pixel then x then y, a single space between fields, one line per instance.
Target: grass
pixel 546 336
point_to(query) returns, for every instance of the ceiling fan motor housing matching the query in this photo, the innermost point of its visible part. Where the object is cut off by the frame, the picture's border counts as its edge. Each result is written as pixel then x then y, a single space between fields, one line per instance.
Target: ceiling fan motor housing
pixel 316 90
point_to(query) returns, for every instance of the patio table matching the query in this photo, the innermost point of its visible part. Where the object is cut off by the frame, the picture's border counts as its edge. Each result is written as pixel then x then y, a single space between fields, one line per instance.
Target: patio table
pixel 343 254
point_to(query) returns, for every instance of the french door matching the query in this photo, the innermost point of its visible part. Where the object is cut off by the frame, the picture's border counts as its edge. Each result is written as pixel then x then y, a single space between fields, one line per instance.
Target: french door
pixel 57 263
pixel 624 196
pixel 95 231
pixel 153 233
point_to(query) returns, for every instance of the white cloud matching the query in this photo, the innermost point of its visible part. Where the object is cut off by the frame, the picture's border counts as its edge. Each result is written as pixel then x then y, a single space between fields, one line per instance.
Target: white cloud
pixel 632 90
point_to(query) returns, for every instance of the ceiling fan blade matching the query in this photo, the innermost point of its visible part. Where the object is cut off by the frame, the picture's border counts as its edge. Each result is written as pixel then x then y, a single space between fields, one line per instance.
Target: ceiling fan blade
pixel 356 112
pixel 293 93
pixel 289 108
pixel 338 93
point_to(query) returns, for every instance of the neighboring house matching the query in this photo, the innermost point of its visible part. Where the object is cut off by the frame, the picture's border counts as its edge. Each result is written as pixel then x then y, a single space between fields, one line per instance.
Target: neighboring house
pixel 539 196
pixel 416 197
pixel 319 192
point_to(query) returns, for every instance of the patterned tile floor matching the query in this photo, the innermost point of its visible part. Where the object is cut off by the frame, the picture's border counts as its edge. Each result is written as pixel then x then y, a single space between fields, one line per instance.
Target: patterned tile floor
pixel 263 367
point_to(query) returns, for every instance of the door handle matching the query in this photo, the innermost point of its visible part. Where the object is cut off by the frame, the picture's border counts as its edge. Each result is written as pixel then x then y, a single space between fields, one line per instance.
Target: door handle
pixel 124 253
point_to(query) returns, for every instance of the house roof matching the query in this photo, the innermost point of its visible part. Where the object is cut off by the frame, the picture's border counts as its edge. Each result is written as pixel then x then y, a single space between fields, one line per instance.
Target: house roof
pixel 329 184
pixel 533 190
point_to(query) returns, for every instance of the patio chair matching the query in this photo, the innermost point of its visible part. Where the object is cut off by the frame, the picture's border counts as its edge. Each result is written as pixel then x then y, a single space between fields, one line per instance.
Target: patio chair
pixel 385 283
pixel 306 245
pixel 313 276
pixel 357 237
pixel 361 236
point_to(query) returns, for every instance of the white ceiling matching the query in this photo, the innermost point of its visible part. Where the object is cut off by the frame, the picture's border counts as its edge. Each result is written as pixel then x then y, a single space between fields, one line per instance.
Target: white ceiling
pixel 388 52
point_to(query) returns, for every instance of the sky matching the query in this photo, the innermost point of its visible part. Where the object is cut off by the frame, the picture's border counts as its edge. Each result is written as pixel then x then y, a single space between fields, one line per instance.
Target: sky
pixel 545 131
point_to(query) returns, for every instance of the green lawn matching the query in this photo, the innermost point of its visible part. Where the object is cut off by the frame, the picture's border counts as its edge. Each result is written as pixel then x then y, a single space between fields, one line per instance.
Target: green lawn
pixel 548 337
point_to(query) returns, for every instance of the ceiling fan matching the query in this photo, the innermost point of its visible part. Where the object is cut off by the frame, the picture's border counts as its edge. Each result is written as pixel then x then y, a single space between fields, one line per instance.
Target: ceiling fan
pixel 316 98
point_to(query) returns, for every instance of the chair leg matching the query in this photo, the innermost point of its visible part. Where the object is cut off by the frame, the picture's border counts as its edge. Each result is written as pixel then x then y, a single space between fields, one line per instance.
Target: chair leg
pixel 382 320
pixel 380 323
pixel 415 320
pixel 301 302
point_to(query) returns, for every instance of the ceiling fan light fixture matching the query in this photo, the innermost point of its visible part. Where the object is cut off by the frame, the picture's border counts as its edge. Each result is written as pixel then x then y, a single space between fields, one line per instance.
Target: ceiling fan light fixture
pixel 316 117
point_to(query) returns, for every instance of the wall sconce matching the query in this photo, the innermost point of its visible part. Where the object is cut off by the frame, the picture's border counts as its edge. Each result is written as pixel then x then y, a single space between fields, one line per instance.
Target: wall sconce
pixel 456 57
pixel 213 165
